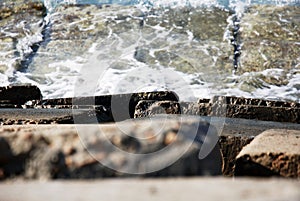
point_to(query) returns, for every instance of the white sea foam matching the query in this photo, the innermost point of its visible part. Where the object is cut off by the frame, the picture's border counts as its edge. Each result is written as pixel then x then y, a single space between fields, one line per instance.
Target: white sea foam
pixel 67 75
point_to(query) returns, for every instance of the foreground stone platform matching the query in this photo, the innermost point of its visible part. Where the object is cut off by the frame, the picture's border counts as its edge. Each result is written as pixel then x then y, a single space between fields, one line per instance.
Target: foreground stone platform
pixel 274 152
pixel 162 147
pixel 59 151
pixel 205 188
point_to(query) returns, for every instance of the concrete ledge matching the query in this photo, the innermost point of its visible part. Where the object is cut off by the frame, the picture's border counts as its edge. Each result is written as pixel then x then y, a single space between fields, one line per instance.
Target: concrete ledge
pixel 274 152
pixel 209 189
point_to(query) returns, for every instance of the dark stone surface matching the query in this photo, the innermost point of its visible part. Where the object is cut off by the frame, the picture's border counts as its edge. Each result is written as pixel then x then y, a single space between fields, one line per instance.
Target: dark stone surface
pixel 237 133
pixel 37 116
pixel 80 110
pixel 117 107
pixel 19 95
pixel 106 100
pixel 231 107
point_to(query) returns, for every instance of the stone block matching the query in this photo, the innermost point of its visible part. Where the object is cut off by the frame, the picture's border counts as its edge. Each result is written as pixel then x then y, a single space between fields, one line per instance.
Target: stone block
pixel 231 107
pixel 272 153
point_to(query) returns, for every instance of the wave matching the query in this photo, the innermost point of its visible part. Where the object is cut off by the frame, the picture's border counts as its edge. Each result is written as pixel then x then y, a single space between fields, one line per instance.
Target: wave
pixel 230 4
pixel 163 55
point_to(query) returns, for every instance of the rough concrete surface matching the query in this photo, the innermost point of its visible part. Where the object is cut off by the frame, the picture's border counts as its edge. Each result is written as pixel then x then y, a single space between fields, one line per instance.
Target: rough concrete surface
pixel 160 147
pixel 274 152
pixel 205 188
pixel 234 134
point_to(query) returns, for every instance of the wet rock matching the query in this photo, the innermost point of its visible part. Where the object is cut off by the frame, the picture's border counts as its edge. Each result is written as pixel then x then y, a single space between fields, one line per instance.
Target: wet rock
pixel 270 38
pixel 266 50
pixel 197 40
pixel 88 110
pixel 19 95
pixel 21 26
pixel 269 59
pixel 274 152
pixel 116 107
pixel 84 151
pixel 124 36
pixel 74 29
pixel 204 23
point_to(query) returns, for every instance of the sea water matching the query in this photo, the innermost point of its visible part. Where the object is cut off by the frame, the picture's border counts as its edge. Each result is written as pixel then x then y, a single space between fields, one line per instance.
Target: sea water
pixel 92 73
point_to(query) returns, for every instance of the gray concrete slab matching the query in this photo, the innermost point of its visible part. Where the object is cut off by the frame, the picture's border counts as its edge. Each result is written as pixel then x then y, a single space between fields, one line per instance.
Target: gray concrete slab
pixel 208 189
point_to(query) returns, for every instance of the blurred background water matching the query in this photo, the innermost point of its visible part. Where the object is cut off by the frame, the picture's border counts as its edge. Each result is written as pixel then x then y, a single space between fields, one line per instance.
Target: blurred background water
pixel 225 3
pixel 187 46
